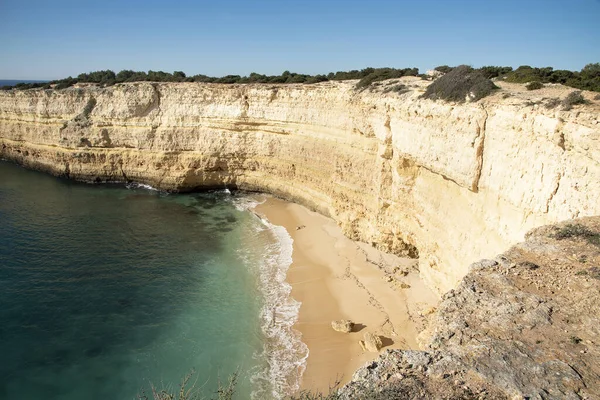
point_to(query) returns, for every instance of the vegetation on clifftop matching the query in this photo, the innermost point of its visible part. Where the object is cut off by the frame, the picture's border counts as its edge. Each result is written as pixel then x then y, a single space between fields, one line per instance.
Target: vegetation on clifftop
pixel 586 79
pixel 366 76
pixel 460 84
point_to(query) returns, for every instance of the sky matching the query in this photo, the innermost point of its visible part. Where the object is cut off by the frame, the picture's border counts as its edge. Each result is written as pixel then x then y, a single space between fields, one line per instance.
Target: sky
pixel 51 39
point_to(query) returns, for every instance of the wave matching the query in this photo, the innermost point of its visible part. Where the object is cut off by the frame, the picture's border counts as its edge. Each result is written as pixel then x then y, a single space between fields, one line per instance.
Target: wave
pixel 136 185
pixel 284 353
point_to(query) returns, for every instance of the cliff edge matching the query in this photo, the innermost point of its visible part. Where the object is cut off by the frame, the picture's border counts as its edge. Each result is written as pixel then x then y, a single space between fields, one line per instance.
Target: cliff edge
pixel 524 325
pixel 449 183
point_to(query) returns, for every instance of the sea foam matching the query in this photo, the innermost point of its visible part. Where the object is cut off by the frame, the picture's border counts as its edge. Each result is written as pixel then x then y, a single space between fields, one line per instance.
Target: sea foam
pixel 284 352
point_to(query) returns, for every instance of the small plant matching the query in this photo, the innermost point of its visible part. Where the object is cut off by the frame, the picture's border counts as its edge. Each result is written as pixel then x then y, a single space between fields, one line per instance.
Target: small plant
pixel 535 85
pixel 332 394
pixel 399 88
pixel 89 107
pixel 572 99
pixel 580 273
pixel 575 340
pixel 506 95
pixel 532 103
pixel 553 103
pixel 189 391
pixel 597 97
pixel 577 231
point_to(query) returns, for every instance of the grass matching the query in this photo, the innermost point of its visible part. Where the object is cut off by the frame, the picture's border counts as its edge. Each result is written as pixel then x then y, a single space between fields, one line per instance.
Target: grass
pixel 188 390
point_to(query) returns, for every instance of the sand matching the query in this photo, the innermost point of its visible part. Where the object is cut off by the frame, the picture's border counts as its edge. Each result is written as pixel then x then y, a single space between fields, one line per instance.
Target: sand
pixel 336 278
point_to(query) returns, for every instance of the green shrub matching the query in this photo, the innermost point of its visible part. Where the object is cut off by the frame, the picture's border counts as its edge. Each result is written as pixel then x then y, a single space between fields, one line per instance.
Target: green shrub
pixel 577 231
pixel 443 68
pixel 494 72
pixel 460 83
pixel 586 79
pixel 380 74
pixel 535 85
pixel 572 99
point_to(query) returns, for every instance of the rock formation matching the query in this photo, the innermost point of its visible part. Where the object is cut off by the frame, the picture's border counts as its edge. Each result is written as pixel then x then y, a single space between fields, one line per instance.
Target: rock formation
pixel 448 183
pixel 525 325
pixel 371 343
pixel 343 325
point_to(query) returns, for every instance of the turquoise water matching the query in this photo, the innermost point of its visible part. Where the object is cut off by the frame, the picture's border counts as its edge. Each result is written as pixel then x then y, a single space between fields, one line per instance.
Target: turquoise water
pixel 105 290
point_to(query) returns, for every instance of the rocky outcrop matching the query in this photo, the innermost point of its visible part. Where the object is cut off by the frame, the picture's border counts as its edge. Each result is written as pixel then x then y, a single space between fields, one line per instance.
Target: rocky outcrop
pixel 525 325
pixel 448 183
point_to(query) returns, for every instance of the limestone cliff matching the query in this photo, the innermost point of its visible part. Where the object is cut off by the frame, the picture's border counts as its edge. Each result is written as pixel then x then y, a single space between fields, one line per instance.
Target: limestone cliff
pixel 449 183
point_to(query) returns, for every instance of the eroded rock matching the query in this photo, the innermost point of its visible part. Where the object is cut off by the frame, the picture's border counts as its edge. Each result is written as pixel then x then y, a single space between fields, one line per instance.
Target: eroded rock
pixel 342 325
pixel 371 342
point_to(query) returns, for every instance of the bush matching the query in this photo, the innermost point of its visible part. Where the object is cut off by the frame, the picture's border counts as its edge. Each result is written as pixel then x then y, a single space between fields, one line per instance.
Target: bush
pixel 553 103
pixel 399 88
pixel 494 72
pixel 535 85
pixel 572 99
pixel 586 79
pixel 380 74
pixel 443 68
pixel 459 84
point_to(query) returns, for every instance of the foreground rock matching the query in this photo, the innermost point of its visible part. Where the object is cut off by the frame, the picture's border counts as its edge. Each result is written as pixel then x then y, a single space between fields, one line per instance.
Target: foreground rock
pixel 525 325
pixel 343 325
pixel 371 343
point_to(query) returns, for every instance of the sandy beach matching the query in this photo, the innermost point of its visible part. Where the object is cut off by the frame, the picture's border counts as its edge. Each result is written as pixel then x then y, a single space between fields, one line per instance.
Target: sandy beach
pixel 336 278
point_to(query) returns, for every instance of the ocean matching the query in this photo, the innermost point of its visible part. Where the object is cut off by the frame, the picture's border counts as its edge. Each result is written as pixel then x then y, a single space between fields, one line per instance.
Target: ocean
pixel 12 82
pixel 108 290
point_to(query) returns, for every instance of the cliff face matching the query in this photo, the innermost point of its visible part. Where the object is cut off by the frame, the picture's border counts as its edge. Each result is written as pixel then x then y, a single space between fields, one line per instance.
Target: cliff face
pixel 449 183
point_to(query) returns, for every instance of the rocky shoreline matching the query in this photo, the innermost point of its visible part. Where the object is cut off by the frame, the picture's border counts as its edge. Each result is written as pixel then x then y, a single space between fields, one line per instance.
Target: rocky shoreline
pixel 525 325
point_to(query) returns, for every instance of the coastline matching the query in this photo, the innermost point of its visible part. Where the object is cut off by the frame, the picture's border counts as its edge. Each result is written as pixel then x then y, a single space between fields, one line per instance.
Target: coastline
pixel 336 278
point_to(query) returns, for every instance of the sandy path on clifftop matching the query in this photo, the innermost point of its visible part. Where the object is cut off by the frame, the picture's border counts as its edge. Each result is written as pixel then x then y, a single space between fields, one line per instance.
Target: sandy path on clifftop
pixel 337 278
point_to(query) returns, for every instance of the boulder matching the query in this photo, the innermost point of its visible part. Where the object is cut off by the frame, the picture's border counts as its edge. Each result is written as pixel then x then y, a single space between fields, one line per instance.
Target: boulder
pixel 342 325
pixel 372 342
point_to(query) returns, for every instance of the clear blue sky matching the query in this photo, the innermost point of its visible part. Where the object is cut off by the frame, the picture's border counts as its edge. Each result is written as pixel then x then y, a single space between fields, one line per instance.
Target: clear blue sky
pixel 46 39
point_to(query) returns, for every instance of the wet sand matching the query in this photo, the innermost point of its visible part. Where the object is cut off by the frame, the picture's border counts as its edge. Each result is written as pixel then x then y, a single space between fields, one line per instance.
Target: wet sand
pixel 336 278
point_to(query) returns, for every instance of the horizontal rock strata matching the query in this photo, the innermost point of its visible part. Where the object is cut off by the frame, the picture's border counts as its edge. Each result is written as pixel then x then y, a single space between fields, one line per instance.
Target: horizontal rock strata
pixel 448 183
